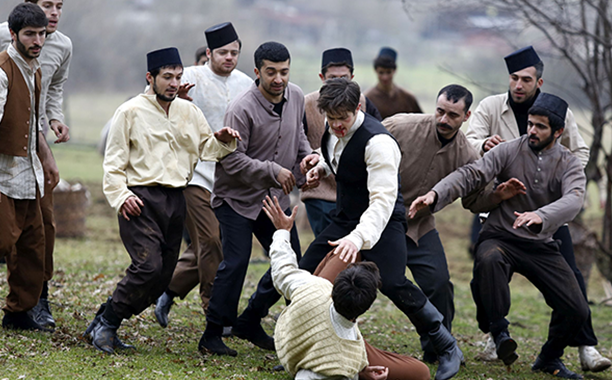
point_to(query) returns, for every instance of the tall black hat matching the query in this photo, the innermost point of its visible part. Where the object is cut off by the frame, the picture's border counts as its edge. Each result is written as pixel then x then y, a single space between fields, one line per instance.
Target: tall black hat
pixel 552 103
pixel 388 52
pixel 521 59
pixel 163 57
pixel 337 55
pixel 220 35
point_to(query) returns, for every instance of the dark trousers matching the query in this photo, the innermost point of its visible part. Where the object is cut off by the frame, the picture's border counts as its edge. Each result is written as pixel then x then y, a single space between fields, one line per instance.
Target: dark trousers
pixel 318 212
pixel 46 207
pixel 153 241
pixel 237 240
pixel 427 262
pixel 389 254
pixel 498 257
pixel 22 242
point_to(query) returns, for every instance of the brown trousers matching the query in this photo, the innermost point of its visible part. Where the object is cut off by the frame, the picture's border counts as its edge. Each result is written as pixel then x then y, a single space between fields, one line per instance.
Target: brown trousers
pixel 199 263
pixel 400 367
pixel 22 241
pixel 46 206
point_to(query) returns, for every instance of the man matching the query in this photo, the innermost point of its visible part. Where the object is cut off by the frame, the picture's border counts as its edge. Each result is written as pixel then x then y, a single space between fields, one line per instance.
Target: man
pixel 200 56
pixel 503 117
pixel 213 86
pixel 370 214
pixel 518 234
pixel 153 145
pixel 24 174
pixel 320 201
pixel 269 118
pixel 433 147
pixel 386 96
pixel 55 61
pixel 302 327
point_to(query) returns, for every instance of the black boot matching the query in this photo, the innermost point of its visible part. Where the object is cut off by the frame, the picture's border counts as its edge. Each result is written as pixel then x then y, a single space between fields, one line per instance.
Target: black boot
pixel 21 321
pixel 162 308
pixel 117 343
pixel 554 367
pixel 505 347
pixel 211 341
pixel 41 313
pixel 428 321
pixel 250 329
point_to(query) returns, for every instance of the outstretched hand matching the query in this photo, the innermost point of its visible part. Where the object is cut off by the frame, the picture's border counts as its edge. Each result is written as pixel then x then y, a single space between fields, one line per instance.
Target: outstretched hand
pixel 276 214
pixel 508 189
pixel 309 162
pixel 421 202
pixel 526 218
pixel 227 135
pixel 184 90
pixel 346 249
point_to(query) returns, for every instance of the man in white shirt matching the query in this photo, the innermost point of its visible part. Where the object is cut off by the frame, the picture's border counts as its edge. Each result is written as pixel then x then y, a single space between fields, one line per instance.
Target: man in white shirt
pixel 54 64
pixel 211 87
pixel 370 214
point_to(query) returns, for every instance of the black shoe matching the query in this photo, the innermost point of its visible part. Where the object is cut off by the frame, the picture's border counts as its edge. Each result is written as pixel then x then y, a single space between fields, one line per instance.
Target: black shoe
pixel 162 309
pixel 104 336
pixel 554 367
pixel 21 321
pixel 505 347
pixel 278 368
pixel 255 334
pixel 118 344
pixel 430 357
pixel 215 345
pixel 41 313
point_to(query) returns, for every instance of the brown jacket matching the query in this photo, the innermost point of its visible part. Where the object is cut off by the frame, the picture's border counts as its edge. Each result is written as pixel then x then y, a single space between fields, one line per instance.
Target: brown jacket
pixel 15 124
pixel 425 162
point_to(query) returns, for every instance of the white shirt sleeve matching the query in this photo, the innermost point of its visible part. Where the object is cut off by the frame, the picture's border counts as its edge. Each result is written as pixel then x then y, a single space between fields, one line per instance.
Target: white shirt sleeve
pixel 382 157
pixel 286 275
pixel 3 92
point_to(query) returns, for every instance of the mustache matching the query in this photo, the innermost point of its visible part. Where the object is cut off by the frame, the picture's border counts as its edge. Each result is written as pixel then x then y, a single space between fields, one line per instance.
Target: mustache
pixel 443 125
pixel 534 137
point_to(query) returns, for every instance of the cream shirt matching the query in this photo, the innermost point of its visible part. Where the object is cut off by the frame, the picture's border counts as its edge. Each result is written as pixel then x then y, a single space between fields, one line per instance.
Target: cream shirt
pixel 382 157
pixel 148 147
pixel 212 94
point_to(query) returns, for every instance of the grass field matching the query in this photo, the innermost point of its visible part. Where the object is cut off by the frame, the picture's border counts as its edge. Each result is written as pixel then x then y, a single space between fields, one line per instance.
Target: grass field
pixel 88 268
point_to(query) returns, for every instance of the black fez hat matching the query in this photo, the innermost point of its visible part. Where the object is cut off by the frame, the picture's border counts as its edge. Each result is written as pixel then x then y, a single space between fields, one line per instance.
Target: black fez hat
pixel 387 52
pixel 521 59
pixel 337 55
pixel 163 57
pixel 552 103
pixel 220 35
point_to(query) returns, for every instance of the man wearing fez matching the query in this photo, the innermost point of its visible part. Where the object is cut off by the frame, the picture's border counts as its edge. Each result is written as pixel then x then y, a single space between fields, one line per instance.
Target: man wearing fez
pixel 386 95
pixel 518 234
pixel 269 118
pixel 27 167
pixel 54 64
pixel 370 214
pixel 212 87
pixel 433 147
pixel 503 117
pixel 200 56
pixel 320 201
pixel 153 145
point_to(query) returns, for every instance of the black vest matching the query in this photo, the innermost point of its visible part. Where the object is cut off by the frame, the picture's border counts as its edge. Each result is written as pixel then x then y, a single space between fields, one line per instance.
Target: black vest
pixel 352 195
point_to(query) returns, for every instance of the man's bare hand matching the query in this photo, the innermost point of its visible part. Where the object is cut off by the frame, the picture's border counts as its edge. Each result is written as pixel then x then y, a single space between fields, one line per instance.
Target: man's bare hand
pixel 227 135
pixel 183 91
pixel 276 214
pixel 492 142
pixel 309 162
pixel 51 173
pixel 421 202
pixel 372 372
pixel 286 179
pixel 507 190
pixel 527 218
pixel 61 131
pixel 313 177
pixel 346 249
pixel 131 206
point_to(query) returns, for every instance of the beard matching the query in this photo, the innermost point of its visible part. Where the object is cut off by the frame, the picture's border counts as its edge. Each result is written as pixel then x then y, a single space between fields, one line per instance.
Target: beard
pixel 539 145
pixel 26 51
pixel 161 96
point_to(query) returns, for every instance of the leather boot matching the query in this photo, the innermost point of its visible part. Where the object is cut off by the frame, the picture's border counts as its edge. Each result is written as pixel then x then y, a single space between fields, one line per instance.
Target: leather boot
pixel 251 330
pixel 162 309
pixel 104 336
pixel 118 344
pixel 505 347
pixel 428 321
pixel 41 313
pixel 21 321
pixel 211 341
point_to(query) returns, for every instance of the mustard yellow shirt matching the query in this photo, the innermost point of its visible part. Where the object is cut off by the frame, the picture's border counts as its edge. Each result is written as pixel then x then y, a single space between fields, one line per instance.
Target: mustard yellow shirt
pixel 147 147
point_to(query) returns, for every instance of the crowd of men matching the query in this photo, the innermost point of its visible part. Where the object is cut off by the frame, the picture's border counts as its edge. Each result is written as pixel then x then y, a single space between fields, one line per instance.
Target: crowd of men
pixel 208 149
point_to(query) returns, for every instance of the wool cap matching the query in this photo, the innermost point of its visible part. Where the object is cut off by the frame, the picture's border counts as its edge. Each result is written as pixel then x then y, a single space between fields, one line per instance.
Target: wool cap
pixel 220 35
pixel 163 57
pixel 337 55
pixel 552 103
pixel 521 59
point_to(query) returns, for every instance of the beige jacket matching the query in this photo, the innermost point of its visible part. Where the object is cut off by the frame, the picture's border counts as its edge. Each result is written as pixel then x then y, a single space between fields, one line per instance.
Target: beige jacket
pixel 493 116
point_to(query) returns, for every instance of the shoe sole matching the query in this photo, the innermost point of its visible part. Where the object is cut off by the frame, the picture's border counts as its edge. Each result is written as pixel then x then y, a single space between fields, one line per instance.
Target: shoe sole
pixel 507 352
pixel 598 368
pixel 246 337
pixel 206 350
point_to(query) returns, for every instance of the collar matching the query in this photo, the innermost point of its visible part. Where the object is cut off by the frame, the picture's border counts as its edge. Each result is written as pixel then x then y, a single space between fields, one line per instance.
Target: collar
pixel 340 319
pixel 152 98
pixel 216 76
pixel 18 59
pixel 265 102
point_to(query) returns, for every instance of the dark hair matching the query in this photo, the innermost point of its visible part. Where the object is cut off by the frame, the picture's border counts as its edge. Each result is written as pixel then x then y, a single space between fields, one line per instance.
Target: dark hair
pixel 339 96
pixel 539 69
pixel 239 45
pixel 200 52
pixel 355 289
pixel 385 62
pixel 555 121
pixel 27 15
pixel 336 64
pixel 455 93
pixel 155 72
pixel 271 51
